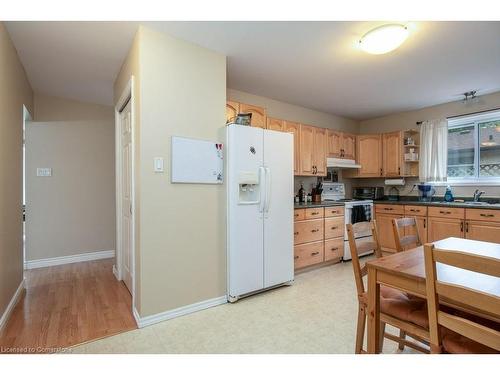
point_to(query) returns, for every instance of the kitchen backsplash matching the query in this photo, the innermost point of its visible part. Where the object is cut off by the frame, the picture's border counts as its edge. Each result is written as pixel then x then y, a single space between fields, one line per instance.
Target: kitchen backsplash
pixel 310 181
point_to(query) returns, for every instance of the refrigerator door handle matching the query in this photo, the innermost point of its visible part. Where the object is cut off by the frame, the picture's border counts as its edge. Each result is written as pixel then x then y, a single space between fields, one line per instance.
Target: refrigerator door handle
pixel 268 190
pixel 262 184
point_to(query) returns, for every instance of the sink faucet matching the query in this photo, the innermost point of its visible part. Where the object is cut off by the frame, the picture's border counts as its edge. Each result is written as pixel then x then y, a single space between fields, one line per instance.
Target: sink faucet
pixel 477 194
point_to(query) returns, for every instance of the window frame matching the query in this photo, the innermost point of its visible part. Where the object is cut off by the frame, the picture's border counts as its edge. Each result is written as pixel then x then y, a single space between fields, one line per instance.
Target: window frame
pixel 473 120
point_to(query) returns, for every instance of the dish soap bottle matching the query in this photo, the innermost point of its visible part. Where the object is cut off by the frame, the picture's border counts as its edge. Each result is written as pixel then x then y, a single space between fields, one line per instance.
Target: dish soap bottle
pixel 448 195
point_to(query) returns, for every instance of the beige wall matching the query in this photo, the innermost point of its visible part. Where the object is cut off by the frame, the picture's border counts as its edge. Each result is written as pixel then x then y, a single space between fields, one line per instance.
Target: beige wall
pixel 407 120
pixel 182 92
pixel 50 108
pixel 15 91
pixel 296 113
pixel 72 212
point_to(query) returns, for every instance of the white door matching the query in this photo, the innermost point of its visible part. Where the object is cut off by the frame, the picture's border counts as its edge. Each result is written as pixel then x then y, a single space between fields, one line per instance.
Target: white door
pixel 126 172
pixel 278 208
pixel 245 219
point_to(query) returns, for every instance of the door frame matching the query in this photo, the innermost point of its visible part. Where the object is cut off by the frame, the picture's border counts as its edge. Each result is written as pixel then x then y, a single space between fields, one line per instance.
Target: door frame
pixel 126 96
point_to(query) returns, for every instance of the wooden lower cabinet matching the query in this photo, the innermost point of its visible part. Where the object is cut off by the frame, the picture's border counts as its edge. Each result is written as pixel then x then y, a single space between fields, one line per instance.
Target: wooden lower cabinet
pixel 334 227
pixel 421 227
pixel 308 231
pixel 334 249
pixel 482 231
pixel 309 254
pixel 443 227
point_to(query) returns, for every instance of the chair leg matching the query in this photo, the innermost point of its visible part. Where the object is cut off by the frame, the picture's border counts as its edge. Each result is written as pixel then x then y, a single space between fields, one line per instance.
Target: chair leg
pixel 360 330
pixel 381 339
pixel 402 335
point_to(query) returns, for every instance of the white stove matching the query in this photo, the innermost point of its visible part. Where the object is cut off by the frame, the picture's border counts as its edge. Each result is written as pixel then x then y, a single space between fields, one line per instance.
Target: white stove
pixel 335 191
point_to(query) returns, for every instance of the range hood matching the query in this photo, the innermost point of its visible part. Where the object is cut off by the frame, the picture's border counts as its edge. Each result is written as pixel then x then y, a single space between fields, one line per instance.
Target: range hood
pixel 341 163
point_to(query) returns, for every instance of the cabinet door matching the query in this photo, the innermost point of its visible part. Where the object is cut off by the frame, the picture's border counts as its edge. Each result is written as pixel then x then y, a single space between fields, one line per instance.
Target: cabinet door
pixel 348 146
pixel 258 114
pixel 294 128
pixel 319 159
pixel 385 231
pixel 274 124
pixel 369 155
pixel 421 227
pixel 306 150
pixel 333 143
pixel 482 231
pixel 232 110
pixel 392 154
pixel 440 228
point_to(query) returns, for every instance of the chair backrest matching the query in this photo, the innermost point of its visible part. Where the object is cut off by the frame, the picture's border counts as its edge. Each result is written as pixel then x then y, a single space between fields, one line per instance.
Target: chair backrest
pixel 362 247
pixel 488 303
pixel 409 241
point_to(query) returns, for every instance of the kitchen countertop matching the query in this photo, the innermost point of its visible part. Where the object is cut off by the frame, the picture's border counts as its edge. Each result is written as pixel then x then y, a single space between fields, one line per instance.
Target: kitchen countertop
pixel 440 203
pixel 318 204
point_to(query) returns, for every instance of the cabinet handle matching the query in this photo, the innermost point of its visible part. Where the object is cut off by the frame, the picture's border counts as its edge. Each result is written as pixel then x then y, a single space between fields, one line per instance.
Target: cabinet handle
pixel 467 227
pixel 314 230
pixel 333 228
pixel 388 208
pixel 315 253
pixel 334 248
pixel 315 213
pixel 399 170
pixel 461 226
pixel 296 233
pixel 487 215
pixel 425 223
pixel 381 172
pixel 296 257
pixel 413 210
pixel 445 212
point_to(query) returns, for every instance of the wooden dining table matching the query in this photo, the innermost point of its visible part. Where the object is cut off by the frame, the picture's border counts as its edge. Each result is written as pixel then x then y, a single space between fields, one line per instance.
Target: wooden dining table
pixel 406 271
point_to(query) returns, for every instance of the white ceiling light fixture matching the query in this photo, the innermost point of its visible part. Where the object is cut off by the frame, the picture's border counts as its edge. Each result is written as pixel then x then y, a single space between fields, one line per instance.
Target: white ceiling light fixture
pixel 383 39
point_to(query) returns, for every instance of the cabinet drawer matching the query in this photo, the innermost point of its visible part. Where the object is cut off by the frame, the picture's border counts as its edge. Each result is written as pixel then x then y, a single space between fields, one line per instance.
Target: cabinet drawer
pixel 415 211
pixel 396 209
pixel 334 211
pixel 334 227
pixel 314 213
pixel 334 249
pixel 299 214
pixel 450 212
pixel 308 231
pixel 308 254
pixel 482 214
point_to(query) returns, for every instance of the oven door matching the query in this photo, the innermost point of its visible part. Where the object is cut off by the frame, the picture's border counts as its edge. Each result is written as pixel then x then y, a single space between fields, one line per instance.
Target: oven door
pixel 364 236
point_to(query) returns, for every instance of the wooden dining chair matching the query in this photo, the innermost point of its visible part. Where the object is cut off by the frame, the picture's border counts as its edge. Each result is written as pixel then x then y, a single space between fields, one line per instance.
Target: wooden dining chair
pixel 397 308
pixel 461 333
pixel 409 241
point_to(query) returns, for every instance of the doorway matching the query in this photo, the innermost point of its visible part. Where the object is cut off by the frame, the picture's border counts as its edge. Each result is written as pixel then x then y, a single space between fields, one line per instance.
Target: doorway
pixel 125 208
pixel 26 118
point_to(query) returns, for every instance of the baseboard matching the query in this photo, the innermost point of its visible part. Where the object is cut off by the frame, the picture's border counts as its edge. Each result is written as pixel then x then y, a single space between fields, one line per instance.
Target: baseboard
pixel 171 314
pixel 39 263
pixel 11 305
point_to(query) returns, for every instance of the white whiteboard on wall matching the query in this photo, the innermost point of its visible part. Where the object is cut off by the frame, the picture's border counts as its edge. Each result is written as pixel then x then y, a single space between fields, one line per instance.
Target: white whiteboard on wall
pixel 197 162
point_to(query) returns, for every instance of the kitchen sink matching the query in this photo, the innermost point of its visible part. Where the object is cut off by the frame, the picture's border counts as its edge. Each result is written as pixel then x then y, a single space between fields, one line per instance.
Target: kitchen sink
pixel 477 203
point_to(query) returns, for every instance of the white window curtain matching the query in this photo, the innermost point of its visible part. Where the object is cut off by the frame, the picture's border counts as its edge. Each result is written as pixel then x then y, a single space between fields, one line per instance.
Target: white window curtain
pixel 433 150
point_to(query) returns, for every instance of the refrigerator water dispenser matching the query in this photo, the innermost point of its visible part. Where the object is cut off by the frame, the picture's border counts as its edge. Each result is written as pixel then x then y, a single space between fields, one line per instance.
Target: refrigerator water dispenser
pixel 249 189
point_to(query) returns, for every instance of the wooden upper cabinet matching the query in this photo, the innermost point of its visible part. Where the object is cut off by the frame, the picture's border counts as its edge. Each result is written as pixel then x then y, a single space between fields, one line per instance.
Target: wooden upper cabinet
pixel 392 154
pixel 369 155
pixel 319 152
pixel 333 143
pixel 306 150
pixel 348 146
pixel 294 128
pixel 275 124
pixel 232 110
pixel 258 114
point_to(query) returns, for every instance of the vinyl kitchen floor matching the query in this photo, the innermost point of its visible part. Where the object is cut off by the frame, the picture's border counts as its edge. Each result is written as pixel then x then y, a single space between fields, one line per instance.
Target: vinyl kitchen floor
pixel 315 315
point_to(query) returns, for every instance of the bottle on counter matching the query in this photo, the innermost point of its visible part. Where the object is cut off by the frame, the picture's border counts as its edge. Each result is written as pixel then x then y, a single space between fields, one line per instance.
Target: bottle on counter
pixel 301 193
pixel 448 195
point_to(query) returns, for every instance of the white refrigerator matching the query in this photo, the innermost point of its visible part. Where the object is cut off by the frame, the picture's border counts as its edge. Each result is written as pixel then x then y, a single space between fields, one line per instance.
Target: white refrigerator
pixel 259 209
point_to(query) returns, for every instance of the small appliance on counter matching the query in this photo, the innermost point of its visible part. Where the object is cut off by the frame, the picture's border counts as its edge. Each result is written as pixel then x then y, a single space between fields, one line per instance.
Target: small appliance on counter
pixel 425 192
pixel 393 194
pixel 372 193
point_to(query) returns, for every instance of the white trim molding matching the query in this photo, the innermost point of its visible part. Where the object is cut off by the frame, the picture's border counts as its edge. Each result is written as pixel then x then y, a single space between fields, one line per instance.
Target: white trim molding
pixel 180 311
pixel 56 261
pixel 10 307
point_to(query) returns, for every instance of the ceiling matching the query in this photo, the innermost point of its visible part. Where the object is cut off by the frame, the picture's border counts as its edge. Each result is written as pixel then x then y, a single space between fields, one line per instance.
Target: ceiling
pixel 312 64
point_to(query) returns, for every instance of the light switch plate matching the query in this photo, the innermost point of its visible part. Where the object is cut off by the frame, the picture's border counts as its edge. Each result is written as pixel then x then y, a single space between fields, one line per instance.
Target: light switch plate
pixel 158 165
pixel 44 172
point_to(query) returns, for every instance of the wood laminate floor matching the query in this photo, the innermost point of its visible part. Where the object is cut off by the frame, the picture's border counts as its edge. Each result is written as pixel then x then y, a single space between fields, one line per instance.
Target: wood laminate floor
pixel 68 305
